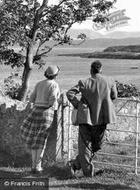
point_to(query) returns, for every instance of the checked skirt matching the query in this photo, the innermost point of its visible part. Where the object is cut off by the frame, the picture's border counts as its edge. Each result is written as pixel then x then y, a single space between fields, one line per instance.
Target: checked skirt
pixel 34 129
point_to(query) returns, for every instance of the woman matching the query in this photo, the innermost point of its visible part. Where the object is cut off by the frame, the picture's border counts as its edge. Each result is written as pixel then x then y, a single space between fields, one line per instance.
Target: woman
pixel 35 128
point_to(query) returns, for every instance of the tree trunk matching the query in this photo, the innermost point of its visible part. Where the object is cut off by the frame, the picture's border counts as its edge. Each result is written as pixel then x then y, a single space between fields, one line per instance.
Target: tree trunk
pixel 31 51
pixel 23 90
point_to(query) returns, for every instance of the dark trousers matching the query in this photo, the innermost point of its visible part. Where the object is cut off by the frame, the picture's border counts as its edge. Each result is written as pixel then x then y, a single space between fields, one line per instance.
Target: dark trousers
pixel 89 141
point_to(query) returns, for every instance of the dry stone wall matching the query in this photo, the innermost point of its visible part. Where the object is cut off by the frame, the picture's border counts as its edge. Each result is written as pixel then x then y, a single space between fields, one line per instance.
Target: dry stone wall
pixel 12 148
pixel 62 143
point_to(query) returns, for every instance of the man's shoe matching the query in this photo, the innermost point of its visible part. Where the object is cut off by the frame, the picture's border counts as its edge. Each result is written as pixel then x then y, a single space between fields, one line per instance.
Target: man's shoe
pixel 72 168
pixel 39 170
pixel 33 171
pixel 89 173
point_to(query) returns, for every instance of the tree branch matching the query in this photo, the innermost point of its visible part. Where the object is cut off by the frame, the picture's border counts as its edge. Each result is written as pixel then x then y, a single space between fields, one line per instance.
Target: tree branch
pixel 49 49
pixel 61 2
pixel 38 48
pixel 41 43
pixel 36 19
pixel 44 3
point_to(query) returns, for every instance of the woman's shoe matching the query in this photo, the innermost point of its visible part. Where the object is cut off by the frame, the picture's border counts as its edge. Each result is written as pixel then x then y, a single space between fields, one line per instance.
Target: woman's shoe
pixel 72 168
pixel 33 171
pixel 36 171
pixel 39 171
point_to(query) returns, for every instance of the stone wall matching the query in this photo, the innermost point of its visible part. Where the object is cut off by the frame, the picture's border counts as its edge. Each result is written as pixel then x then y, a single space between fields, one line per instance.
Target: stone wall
pixel 12 114
pixel 12 148
pixel 62 142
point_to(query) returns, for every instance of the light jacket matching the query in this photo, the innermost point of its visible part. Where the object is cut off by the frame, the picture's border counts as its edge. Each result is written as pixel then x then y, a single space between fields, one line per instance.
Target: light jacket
pixel 97 92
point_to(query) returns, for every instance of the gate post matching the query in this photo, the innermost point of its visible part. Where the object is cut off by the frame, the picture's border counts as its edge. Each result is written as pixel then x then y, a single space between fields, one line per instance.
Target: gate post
pixel 69 133
pixel 137 137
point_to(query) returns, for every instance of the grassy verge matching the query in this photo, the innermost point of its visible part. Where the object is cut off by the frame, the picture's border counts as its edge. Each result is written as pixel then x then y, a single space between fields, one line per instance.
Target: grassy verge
pixel 59 178
pixel 107 177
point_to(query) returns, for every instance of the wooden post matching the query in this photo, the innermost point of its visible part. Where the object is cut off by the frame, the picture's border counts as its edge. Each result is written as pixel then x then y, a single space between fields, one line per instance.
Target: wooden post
pixel 69 134
pixel 137 136
pixel 62 127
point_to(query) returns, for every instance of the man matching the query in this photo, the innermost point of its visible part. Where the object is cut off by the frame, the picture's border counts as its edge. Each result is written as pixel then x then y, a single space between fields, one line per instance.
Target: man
pixel 97 92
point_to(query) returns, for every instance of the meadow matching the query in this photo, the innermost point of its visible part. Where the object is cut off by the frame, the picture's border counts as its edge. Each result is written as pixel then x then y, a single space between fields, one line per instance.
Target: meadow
pixel 75 68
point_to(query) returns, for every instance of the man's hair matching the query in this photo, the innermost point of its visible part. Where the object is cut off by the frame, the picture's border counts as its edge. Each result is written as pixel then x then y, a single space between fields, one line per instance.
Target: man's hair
pixel 96 66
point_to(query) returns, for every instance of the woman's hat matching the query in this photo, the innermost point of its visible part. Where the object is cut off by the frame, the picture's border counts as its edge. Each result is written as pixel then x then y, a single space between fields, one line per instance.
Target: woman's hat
pixel 52 70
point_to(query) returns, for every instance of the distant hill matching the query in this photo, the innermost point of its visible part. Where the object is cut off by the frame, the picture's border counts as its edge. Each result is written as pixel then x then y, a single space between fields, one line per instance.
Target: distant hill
pixel 91 34
pixel 130 48
pixel 113 52
pixel 96 39
pixel 121 34
pixel 106 42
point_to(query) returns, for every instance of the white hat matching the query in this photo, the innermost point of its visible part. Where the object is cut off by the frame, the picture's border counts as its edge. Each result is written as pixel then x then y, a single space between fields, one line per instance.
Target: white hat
pixel 52 70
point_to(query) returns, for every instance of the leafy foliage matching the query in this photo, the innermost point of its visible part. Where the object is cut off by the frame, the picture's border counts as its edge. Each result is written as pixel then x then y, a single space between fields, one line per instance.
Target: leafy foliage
pixel 30 24
pixel 127 90
pixel 10 57
pixel 20 19
pixel 12 86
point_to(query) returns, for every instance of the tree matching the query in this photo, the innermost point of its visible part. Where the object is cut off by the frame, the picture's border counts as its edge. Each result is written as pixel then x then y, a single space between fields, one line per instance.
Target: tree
pixel 32 23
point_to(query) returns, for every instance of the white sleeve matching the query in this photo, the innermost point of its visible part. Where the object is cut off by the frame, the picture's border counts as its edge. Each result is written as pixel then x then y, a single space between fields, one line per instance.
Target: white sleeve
pixel 54 96
pixel 33 95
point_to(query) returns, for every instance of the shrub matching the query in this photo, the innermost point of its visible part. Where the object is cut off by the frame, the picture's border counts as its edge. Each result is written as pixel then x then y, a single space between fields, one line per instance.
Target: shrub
pixel 12 86
pixel 127 90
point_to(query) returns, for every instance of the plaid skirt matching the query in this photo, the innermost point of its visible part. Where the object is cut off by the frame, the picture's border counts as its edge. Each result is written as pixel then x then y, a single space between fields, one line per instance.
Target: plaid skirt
pixel 35 127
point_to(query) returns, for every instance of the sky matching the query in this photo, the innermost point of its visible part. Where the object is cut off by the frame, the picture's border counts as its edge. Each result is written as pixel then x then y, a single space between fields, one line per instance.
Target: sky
pixel 132 8
pixel 133 11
